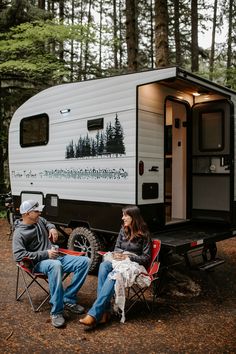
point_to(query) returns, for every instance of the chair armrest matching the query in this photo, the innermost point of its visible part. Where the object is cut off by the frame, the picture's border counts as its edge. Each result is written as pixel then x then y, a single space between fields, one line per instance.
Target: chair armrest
pixel 154 269
pixel 26 264
pixel 70 252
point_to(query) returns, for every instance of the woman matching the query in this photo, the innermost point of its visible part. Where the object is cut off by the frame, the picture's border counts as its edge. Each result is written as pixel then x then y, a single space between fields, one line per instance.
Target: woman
pixel 133 238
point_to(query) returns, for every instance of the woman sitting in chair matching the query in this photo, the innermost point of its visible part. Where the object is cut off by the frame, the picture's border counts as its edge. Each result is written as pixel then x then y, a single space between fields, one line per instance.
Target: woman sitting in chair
pixel 133 242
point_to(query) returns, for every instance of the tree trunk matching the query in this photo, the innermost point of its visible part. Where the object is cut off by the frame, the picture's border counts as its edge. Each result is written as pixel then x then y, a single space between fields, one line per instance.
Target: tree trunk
pixel 100 37
pixel 41 4
pixel 81 47
pixel 120 36
pixel 151 35
pixel 115 31
pixel 212 55
pixel 72 43
pixel 194 44
pixel 86 52
pixel 161 33
pixel 61 17
pixel 178 56
pixel 229 44
pixel 132 35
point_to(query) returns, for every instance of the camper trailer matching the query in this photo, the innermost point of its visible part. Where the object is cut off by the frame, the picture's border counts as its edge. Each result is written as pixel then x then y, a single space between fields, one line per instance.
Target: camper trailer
pixel 163 140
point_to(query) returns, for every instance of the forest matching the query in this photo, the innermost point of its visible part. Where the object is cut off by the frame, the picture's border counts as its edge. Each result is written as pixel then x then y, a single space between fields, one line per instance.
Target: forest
pixel 48 42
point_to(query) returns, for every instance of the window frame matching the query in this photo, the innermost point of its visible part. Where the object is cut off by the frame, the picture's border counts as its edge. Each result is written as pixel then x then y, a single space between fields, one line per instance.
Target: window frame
pixel 39 142
pixel 200 129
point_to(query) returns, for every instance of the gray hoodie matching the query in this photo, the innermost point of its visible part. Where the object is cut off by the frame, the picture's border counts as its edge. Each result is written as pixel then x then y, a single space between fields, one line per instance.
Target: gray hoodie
pixel 32 240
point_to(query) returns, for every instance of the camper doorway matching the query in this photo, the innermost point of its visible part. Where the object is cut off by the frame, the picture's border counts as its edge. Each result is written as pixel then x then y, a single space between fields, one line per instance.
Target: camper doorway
pixel 212 161
pixel 175 174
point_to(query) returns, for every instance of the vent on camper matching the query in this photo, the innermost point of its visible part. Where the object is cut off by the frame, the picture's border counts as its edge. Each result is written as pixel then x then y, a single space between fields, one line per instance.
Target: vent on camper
pixel 95 124
pixel 150 190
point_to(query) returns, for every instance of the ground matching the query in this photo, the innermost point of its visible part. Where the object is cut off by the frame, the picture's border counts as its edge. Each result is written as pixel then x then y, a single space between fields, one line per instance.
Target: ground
pixel 196 313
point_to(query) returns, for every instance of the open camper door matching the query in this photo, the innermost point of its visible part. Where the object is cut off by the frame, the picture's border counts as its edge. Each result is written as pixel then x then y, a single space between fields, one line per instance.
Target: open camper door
pixel 176 164
pixel 212 161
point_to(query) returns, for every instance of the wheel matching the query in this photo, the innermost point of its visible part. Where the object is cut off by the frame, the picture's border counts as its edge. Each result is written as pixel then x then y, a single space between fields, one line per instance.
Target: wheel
pixel 83 240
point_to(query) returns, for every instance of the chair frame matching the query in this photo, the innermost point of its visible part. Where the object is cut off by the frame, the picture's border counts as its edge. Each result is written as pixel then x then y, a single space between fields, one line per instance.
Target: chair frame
pixel 25 271
pixel 135 292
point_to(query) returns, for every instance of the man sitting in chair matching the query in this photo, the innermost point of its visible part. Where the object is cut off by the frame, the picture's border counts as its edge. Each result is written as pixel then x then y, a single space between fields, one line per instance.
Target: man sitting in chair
pixel 32 238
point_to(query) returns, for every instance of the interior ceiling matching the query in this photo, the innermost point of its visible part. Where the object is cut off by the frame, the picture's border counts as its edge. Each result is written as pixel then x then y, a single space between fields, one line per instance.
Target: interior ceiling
pixel 186 86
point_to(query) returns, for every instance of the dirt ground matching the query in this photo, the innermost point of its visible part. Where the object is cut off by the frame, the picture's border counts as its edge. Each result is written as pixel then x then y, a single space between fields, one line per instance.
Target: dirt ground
pixel 195 314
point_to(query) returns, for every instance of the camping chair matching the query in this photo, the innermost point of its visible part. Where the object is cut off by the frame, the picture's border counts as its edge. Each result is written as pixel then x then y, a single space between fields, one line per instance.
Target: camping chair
pixel 29 279
pixel 136 293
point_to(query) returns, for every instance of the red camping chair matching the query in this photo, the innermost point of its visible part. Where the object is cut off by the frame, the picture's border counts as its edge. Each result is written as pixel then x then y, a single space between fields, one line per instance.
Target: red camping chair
pixel 29 279
pixel 136 293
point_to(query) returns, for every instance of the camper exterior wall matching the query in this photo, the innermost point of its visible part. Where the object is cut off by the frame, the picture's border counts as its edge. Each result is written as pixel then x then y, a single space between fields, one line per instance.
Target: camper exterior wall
pixel 151 121
pixel 151 139
pixel 106 177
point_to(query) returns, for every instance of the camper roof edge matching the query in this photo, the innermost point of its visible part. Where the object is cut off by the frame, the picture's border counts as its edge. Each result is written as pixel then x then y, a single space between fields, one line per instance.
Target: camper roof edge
pixel 189 76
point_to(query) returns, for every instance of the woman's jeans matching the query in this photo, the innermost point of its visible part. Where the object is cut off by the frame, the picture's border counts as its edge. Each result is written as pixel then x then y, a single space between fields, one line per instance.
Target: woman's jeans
pixel 54 269
pixel 105 291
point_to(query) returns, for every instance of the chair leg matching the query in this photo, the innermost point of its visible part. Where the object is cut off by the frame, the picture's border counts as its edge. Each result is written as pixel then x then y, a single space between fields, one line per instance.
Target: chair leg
pixel 138 294
pixel 26 289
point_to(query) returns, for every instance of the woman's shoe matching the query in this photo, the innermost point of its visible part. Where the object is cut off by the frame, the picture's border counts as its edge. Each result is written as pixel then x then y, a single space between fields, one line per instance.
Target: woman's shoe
pixel 89 321
pixel 105 318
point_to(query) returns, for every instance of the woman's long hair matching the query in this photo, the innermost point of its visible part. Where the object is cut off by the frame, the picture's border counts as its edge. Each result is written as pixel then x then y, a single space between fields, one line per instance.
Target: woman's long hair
pixel 138 226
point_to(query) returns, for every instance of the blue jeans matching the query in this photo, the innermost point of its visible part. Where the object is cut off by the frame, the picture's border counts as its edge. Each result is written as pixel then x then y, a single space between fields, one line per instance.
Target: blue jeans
pixel 54 269
pixel 105 291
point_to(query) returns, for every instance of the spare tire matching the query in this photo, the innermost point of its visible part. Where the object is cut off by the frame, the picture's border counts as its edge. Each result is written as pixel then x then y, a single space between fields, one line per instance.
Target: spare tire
pixel 82 239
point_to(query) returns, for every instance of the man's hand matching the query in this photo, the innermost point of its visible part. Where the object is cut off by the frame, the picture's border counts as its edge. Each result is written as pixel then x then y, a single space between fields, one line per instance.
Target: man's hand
pixel 52 254
pixel 53 235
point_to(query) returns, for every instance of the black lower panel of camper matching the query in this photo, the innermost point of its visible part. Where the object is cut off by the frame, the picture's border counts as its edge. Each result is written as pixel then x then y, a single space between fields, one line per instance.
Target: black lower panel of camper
pixel 106 218
pixel 102 217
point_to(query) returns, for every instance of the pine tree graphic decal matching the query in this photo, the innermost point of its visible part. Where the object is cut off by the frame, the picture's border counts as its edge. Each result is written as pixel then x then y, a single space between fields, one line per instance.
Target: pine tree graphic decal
pixel 109 142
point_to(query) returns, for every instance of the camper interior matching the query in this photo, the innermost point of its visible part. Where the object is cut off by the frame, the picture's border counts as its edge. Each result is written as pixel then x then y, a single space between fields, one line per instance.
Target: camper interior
pixel 197 148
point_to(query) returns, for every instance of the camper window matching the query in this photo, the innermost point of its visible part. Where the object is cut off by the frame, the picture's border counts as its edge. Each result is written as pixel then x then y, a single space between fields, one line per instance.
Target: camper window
pixel 211 129
pixel 34 130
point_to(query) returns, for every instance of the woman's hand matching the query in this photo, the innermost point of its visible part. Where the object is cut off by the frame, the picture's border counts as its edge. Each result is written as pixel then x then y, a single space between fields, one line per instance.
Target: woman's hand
pixel 119 256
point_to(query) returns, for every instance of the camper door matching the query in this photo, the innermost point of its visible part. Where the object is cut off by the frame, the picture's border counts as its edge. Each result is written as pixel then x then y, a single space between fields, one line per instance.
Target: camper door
pixel 212 156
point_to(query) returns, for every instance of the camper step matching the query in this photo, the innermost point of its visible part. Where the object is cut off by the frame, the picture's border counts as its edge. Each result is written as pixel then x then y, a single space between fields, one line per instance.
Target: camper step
pixel 211 264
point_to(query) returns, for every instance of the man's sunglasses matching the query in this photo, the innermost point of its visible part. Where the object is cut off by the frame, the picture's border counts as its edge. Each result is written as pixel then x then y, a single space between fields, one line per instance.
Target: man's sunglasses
pixel 33 207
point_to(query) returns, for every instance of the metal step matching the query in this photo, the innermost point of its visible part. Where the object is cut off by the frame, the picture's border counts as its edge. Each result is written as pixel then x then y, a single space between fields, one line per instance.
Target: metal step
pixel 211 264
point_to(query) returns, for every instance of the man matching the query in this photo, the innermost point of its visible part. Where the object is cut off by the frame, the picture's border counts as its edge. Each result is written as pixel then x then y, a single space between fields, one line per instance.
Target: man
pixel 33 238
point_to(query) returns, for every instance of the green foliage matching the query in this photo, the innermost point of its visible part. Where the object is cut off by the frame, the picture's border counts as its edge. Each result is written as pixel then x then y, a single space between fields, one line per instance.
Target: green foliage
pixel 3 214
pixel 32 50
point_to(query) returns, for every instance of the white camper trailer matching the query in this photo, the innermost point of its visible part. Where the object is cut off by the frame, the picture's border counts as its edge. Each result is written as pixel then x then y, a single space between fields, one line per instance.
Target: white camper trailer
pixel 161 139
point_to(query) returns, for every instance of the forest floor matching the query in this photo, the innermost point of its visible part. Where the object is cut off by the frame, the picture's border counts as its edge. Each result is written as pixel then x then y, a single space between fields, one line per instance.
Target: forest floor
pixel 195 314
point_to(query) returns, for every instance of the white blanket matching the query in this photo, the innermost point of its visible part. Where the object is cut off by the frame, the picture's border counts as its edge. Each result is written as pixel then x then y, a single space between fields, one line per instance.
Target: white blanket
pixel 126 274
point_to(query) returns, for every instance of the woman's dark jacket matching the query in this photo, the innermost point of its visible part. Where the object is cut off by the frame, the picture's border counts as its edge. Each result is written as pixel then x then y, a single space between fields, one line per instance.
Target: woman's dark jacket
pixel 140 245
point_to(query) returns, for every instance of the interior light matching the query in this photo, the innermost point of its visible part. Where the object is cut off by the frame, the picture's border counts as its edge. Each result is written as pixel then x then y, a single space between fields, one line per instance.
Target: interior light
pixel 196 94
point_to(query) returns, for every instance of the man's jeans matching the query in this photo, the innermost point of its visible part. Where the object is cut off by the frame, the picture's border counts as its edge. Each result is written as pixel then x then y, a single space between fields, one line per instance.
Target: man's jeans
pixel 105 291
pixel 54 269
